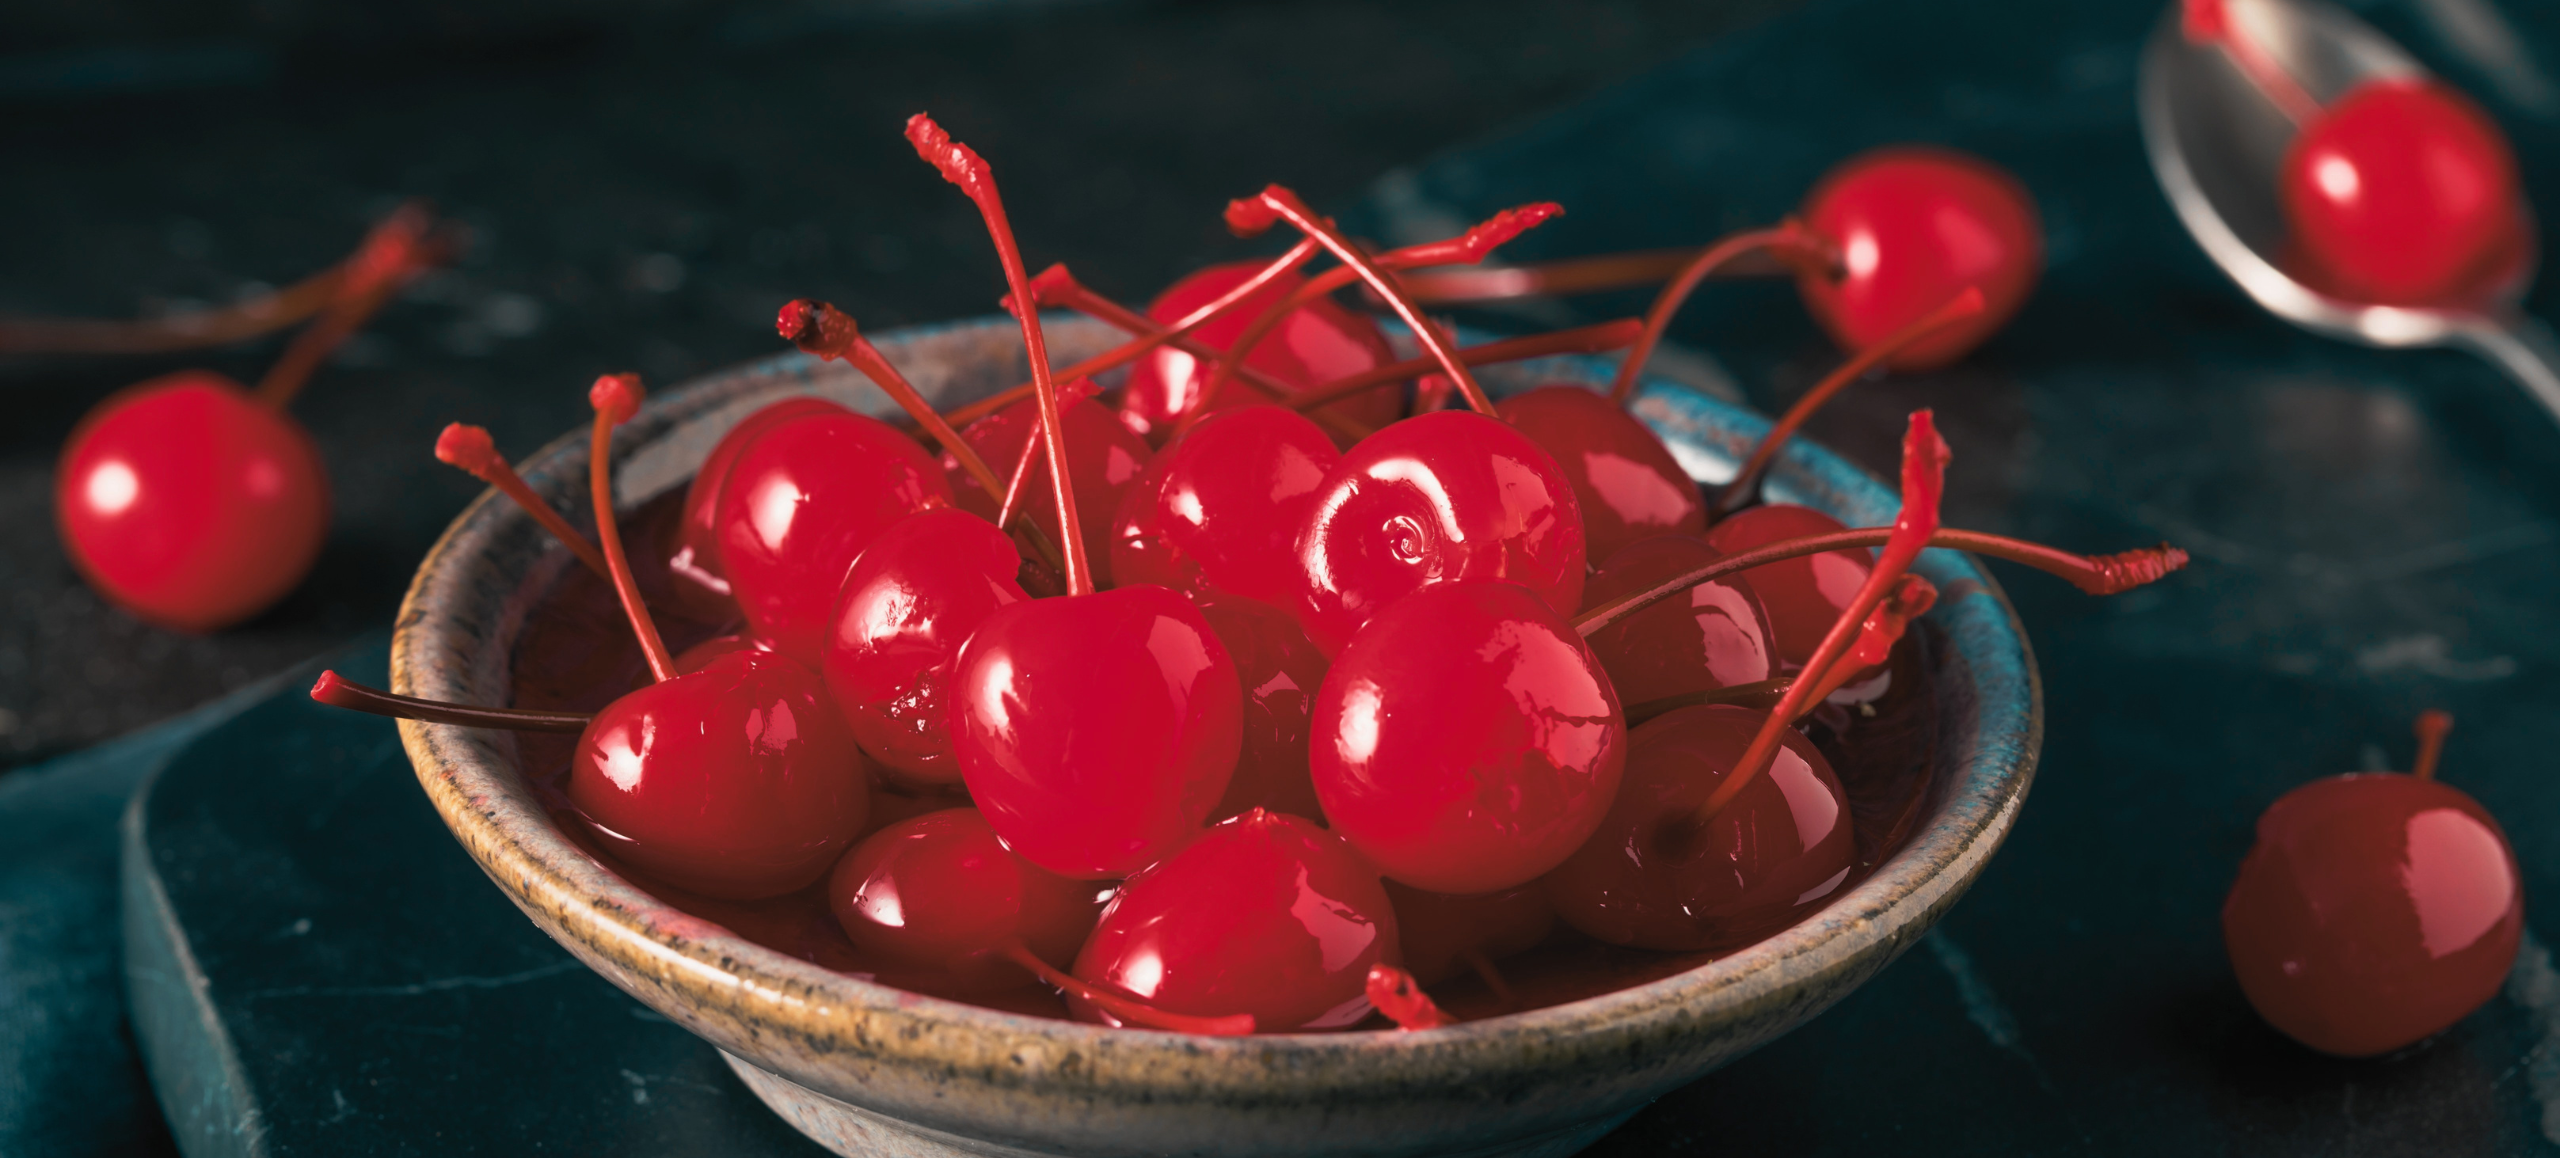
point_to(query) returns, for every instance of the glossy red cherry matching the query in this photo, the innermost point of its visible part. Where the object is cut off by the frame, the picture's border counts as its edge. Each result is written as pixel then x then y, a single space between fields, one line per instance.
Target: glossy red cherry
pixel 700 587
pixel 1651 878
pixel 802 500
pixel 2375 909
pixel 1444 936
pixel 2403 191
pixel 1625 480
pixel 189 503
pixel 1714 636
pixel 1801 596
pixel 1912 227
pixel 1104 460
pixel 1436 499
pixel 1220 509
pixel 736 781
pixel 1466 741
pixel 1096 731
pixel 1280 671
pixel 1317 343
pixel 1265 915
pixel 908 605
pixel 939 901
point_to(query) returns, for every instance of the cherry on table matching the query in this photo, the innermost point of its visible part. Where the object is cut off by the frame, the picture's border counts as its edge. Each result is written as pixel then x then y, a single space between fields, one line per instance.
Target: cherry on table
pixel 701 588
pixel 1220 508
pixel 2375 909
pixel 1627 483
pixel 1650 877
pixel 1913 226
pixel 1716 635
pixel 910 601
pixel 1317 343
pixel 942 904
pixel 1435 499
pixel 1802 596
pixel 1265 914
pixel 1466 740
pixel 2403 191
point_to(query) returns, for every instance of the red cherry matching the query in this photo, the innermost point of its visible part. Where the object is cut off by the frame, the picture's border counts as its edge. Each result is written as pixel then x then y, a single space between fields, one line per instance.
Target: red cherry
pixel 802 500
pixel 2403 191
pixel 1220 509
pixel 910 602
pixel 1444 935
pixel 2375 909
pixel 1280 671
pixel 1913 226
pixel 1466 741
pixel 1651 878
pixel 735 781
pixel 1265 915
pixel 701 588
pixel 1802 596
pixel 1435 499
pixel 1096 731
pixel 189 503
pixel 940 901
pixel 1715 637
pixel 1625 480
pixel 1317 343
pixel 1104 459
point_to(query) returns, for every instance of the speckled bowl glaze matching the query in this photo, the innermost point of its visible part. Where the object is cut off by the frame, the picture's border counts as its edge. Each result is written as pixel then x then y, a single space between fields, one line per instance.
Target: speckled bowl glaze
pixel 870 1070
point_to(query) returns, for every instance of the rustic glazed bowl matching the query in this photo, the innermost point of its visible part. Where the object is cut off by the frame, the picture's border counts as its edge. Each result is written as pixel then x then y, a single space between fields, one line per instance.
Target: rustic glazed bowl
pixel 870 1070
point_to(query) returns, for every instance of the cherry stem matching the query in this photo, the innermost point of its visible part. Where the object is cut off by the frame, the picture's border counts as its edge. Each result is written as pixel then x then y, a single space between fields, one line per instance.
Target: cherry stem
pixel 1746 482
pixel 337 691
pixel 616 398
pixel 1912 597
pixel 404 244
pixel 830 335
pixel 961 165
pixel 1761 695
pixel 1076 390
pixel 1592 339
pixel 1277 203
pixel 1055 286
pixel 2433 724
pixel 1492 977
pixel 471 449
pixel 192 330
pixel 1924 465
pixel 1468 248
pixel 1401 998
pixel 2095 574
pixel 2210 22
pixel 1579 275
pixel 1127 1008
pixel 1786 235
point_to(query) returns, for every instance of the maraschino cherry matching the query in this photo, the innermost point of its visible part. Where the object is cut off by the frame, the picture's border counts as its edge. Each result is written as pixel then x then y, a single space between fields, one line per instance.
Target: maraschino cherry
pixel 1280 671
pixel 701 588
pixel 195 503
pixel 1913 226
pixel 1265 915
pixel 1095 730
pixel 735 781
pixel 1466 740
pixel 1105 460
pixel 2375 908
pixel 911 600
pixel 1624 479
pixel 943 904
pixel 1716 637
pixel 1802 596
pixel 1315 343
pixel 1220 509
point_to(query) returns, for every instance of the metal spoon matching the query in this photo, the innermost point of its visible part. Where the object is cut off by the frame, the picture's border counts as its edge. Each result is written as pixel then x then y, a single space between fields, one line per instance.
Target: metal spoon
pixel 2217 144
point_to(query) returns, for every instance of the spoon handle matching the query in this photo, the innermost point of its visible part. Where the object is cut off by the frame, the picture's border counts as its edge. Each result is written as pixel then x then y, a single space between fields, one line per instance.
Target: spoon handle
pixel 2526 350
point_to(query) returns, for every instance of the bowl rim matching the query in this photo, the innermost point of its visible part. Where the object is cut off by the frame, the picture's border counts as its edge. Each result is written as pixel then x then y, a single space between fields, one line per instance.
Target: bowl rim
pixel 475 787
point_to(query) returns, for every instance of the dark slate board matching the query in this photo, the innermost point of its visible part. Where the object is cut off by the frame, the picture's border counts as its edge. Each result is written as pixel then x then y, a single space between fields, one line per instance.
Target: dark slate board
pixel 316 969
pixel 2376 532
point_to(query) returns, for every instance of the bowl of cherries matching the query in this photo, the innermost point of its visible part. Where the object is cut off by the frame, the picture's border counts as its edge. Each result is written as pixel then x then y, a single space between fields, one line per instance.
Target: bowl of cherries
pixel 1238 726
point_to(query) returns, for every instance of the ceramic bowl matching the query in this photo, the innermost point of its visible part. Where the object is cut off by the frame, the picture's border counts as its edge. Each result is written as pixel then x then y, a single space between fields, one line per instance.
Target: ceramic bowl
pixel 870 1070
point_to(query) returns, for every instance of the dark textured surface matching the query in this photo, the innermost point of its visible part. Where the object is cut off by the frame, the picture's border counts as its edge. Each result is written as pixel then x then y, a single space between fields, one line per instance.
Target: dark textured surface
pixel 2375 533
pixel 645 195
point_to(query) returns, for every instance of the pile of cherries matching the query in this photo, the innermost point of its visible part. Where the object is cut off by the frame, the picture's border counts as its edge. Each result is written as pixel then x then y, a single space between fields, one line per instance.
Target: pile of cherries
pixel 1292 679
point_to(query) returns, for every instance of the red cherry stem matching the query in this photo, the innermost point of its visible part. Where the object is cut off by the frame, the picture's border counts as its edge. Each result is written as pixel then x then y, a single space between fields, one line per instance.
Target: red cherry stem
pixel 1249 216
pixel 830 335
pixel 1746 482
pixel 1401 998
pixel 471 449
pixel 1593 339
pixel 2095 574
pixel 961 165
pixel 1075 390
pixel 1912 598
pixel 1760 695
pixel 1579 275
pixel 340 692
pixel 1128 1008
pixel 1786 236
pixel 1924 465
pixel 1467 248
pixel 402 246
pixel 192 330
pixel 616 398
pixel 2433 724
pixel 1492 977
pixel 2209 22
